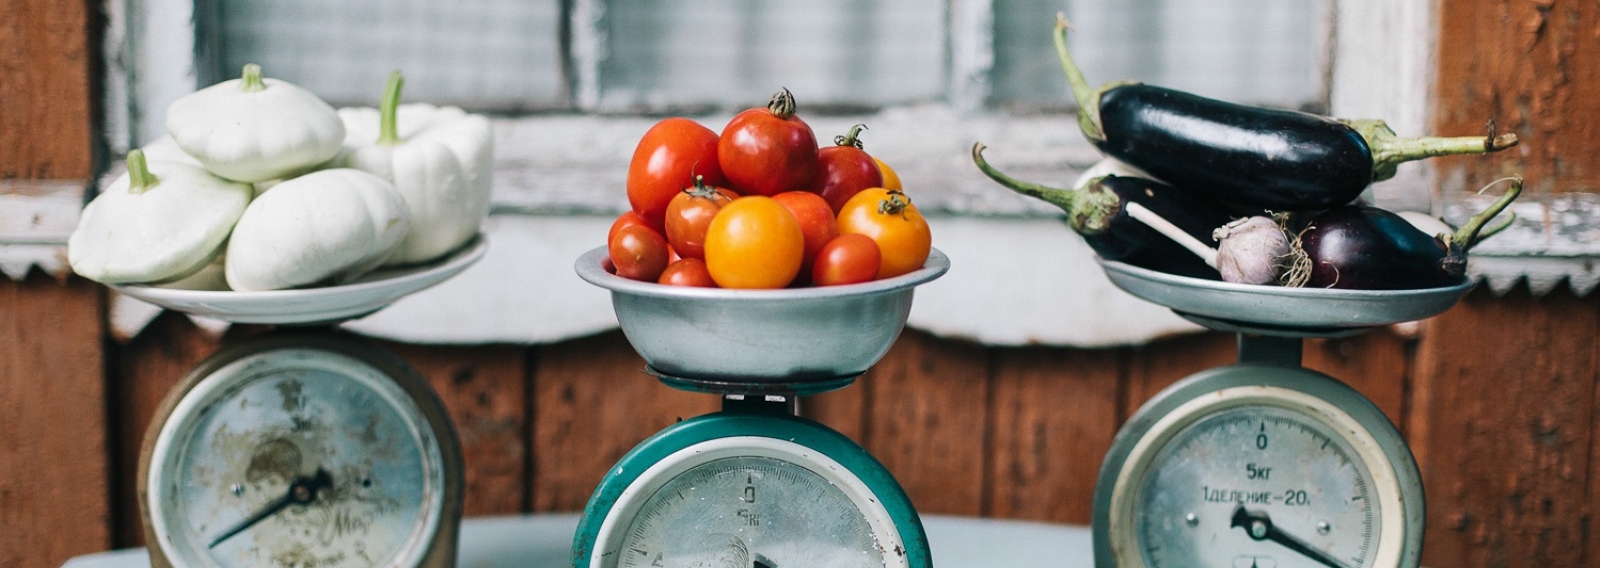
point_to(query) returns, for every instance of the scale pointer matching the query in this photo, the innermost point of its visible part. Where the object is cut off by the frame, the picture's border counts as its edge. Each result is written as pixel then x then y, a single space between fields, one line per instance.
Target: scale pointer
pixel 1259 526
pixel 302 490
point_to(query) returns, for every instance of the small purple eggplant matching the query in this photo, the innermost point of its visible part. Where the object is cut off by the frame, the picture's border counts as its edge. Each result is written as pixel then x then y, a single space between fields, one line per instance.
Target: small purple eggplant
pixel 1360 247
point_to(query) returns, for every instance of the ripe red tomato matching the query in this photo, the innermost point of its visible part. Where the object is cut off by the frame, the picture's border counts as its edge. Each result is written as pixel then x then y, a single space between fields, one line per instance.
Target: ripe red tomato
pixel 638 252
pixel 817 223
pixel 623 220
pixel 889 218
pixel 844 169
pixel 667 159
pixel 690 213
pixel 754 243
pixel 767 151
pixel 687 272
pixel 847 259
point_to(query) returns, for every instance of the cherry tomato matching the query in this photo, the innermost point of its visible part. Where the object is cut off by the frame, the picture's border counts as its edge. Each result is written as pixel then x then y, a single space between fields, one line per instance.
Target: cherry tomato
pixel 754 242
pixel 687 272
pixel 847 259
pixel 638 252
pixel 891 180
pixel 667 159
pixel 817 223
pixel 690 213
pixel 767 151
pixel 623 220
pixel 889 218
pixel 844 169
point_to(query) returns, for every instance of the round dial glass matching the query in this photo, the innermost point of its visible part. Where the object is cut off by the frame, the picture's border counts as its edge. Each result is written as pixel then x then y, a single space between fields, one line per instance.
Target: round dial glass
pixel 1257 487
pixel 750 511
pixel 296 458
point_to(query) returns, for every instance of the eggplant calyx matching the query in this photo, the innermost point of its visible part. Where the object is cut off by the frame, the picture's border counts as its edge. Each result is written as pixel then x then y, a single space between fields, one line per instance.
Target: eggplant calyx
pixel 782 104
pixel 1088 97
pixel 389 109
pixel 853 138
pixel 140 179
pixel 1389 150
pixel 1089 210
pixel 250 80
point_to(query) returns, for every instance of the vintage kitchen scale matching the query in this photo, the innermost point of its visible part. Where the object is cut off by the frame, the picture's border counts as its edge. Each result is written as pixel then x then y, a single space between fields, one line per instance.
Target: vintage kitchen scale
pixel 303 447
pixel 1263 464
pixel 754 485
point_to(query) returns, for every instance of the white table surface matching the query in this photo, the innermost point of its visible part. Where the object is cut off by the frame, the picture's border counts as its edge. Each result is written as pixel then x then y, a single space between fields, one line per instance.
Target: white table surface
pixel 544 541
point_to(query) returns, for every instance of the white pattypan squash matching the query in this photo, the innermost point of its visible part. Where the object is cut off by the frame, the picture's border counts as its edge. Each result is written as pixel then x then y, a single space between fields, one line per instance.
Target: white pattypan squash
pixel 165 149
pixel 438 157
pixel 254 129
pixel 159 221
pixel 339 223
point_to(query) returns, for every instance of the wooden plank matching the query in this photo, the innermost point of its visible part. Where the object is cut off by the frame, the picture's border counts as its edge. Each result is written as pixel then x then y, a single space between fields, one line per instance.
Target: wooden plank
pixel 592 403
pixel 844 410
pixel 927 418
pixel 1534 67
pixel 1156 366
pixel 46 55
pixel 1053 415
pixel 485 390
pixel 53 470
pixel 1374 363
pixel 1502 414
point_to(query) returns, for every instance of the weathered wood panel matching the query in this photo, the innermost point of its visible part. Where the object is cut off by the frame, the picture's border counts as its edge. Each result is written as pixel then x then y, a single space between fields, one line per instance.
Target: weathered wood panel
pixel 1534 66
pixel 485 390
pixel 1504 396
pixel 53 478
pixel 1156 366
pixel 46 69
pixel 1373 363
pixel 1053 415
pixel 927 413
pixel 592 403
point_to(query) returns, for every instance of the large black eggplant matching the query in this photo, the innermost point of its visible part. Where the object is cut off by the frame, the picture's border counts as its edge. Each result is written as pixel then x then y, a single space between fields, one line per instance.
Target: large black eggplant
pixel 1273 159
pixel 1366 248
pixel 1100 213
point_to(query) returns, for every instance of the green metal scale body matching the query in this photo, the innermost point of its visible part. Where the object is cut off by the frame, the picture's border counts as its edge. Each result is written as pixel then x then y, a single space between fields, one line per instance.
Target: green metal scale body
pixel 750 486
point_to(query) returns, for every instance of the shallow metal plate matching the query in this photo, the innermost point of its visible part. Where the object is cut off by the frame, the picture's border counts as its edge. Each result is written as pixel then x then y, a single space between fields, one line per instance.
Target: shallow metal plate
pixel 1322 309
pixel 790 335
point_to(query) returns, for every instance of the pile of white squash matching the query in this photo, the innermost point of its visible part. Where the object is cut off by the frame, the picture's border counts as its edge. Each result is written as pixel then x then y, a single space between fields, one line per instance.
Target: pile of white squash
pixel 260 185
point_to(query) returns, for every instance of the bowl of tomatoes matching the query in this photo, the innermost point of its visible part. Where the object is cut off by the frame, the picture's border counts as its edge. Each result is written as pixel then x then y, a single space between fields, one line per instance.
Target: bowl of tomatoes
pixel 790 335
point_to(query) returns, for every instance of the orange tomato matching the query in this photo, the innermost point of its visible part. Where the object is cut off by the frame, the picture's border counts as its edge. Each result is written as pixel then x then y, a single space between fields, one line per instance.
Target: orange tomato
pixel 891 180
pixel 889 219
pixel 754 242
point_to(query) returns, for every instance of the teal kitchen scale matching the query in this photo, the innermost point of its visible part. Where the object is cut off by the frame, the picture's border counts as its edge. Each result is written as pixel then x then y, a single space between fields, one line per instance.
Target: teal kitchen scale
pixel 1263 464
pixel 754 485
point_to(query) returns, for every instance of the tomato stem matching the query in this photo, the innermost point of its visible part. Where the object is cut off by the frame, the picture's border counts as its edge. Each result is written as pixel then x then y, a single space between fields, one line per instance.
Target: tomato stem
pixel 895 204
pixel 851 139
pixel 250 79
pixel 389 108
pixel 782 104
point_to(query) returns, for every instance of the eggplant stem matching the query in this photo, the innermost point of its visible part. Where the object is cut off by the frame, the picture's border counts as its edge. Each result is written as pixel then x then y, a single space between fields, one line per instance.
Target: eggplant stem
pixel 389 109
pixel 1088 211
pixel 1468 235
pixel 1390 150
pixel 250 79
pixel 140 179
pixel 1088 98
pixel 1144 215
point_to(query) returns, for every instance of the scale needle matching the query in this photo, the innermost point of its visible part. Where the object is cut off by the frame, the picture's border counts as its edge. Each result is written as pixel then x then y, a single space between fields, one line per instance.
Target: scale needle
pixel 301 491
pixel 1259 526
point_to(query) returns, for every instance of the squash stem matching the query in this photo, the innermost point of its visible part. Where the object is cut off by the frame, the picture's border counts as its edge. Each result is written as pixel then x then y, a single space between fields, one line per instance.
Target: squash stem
pixel 1390 150
pixel 1089 211
pixel 140 179
pixel 1088 99
pixel 250 79
pixel 388 130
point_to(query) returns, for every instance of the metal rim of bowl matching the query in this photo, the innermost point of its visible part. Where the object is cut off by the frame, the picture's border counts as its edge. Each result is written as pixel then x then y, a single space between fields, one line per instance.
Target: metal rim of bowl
pixel 589 267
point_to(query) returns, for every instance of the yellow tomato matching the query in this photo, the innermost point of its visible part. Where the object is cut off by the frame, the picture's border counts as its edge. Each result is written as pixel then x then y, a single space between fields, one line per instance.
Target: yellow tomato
pixel 889 219
pixel 891 180
pixel 754 242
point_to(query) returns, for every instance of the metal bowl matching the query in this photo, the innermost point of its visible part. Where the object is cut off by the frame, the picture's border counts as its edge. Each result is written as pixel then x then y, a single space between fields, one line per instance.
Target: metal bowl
pixel 1284 310
pixel 792 335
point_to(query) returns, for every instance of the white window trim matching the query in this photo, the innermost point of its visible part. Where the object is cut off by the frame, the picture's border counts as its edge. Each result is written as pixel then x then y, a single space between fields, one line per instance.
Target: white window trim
pixel 564 171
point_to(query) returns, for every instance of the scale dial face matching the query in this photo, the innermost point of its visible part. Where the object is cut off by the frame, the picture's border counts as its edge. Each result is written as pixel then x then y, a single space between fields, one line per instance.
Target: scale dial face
pixel 748 502
pixel 1255 467
pixel 295 457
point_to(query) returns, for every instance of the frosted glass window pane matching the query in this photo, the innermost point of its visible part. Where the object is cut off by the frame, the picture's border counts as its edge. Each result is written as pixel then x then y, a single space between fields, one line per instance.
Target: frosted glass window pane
pixel 1254 51
pixel 736 53
pixel 482 54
